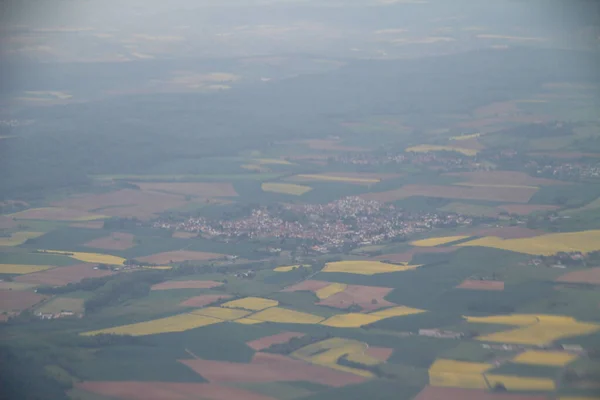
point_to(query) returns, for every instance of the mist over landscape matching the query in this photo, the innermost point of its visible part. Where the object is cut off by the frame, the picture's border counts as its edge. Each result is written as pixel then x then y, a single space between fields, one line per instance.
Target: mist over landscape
pixel 300 200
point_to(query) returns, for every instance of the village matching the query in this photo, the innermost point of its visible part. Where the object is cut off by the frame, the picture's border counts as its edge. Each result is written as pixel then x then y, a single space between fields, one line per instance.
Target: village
pixel 340 225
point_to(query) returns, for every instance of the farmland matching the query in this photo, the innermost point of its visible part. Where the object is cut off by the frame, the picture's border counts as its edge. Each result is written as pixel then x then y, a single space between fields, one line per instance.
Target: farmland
pixel 366 267
pixel 585 241
pixel 406 208
pixel 286 188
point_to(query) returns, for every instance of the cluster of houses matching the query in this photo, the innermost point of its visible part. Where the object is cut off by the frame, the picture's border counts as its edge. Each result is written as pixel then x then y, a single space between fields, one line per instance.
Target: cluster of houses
pixel 348 221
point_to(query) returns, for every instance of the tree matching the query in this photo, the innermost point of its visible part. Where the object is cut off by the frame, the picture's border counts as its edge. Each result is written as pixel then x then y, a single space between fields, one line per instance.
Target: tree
pixel 499 387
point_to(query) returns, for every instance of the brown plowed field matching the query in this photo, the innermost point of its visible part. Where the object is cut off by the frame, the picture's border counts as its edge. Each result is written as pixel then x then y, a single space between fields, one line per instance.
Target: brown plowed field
pixel 446 393
pixel 124 203
pixel 199 189
pixel 7 222
pixel 268 341
pixel 184 235
pixel 168 391
pixel 360 295
pixel 61 276
pixel 186 285
pixel 380 353
pixel 18 300
pixel 503 178
pixel 203 300
pixel 481 285
pixel 270 368
pixel 526 209
pixel 507 194
pixel 307 286
pixel 179 256
pixel 590 276
pixel 114 241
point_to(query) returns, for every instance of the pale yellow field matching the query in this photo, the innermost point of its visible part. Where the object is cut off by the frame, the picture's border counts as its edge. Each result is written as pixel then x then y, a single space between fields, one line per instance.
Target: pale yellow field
pixel 226 314
pixel 287 268
pixel 491 185
pixel 318 177
pixel 425 148
pixel 286 188
pixel 460 374
pixel 351 320
pixel 273 161
pixel 465 137
pixel 518 383
pixel 327 353
pixel 552 243
pixel 436 241
pixel 22 269
pixel 397 312
pixel 284 316
pixel 251 303
pixel 330 290
pixel 177 323
pixel 56 213
pixel 95 258
pixel 18 238
pixel 254 167
pixel 554 358
pixel 362 267
pixel 578 398
pixel 535 329
pixel 248 321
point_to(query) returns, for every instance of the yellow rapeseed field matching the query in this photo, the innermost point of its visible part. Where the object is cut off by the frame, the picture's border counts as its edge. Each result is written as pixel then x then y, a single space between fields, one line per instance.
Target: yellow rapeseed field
pixel 324 177
pixel 95 258
pixel 285 188
pixel 329 351
pixel 425 148
pixel 554 358
pixel 18 238
pixel 226 314
pixel 251 303
pixel 351 320
pixel 397 312
pixel 540 334
pixel 535 329
pixel 436 241
pixel 363 267
pixel 519 383
pixel 176 323
pixel 552 243
pixel 330 290
pixel 285 316
pixel 461 374
pixel 19 269
pixel 445 365
pixel 248 321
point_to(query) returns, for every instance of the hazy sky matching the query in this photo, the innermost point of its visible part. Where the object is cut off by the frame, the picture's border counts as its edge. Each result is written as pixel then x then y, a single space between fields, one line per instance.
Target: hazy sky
pixel 128 30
